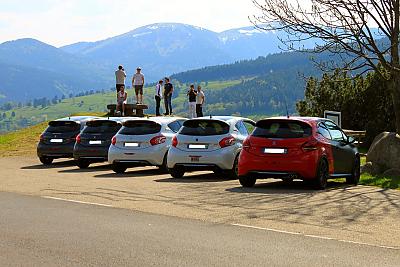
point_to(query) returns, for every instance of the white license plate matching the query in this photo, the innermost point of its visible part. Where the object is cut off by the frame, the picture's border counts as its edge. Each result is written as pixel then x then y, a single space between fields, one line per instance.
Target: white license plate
pixel 275 150
pixel 194 159
pixel 132 144
pixel 193 146
pixel 56 140
pixel 95 142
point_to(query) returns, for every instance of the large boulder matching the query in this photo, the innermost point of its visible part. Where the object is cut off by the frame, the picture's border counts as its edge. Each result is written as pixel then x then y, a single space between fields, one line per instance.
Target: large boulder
pixel 384 152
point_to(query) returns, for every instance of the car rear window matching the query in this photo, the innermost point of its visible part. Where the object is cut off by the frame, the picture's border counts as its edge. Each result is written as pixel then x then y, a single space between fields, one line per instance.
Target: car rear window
pixel 100 126
pixel 140 128
pixel 204 127
pixel 63 127
pixel 282 129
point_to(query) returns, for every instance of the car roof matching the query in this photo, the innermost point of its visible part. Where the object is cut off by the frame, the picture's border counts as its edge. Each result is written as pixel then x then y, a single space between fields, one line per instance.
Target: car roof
pixel 158 119
pixel 77 118
pixel 222 118
pixel 296 118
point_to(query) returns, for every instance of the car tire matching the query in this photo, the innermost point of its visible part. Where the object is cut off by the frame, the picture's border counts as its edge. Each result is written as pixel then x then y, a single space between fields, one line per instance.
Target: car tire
pixel 247 181
pixel 82 163
pixel 46 160
pixel 355 175
pixel 176 172
pixel 233 173
pixel 321 179
pixel 118 168
pixel 163 168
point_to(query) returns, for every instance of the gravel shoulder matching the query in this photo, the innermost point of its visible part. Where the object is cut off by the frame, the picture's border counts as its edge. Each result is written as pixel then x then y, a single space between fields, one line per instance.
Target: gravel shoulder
pixel 360 214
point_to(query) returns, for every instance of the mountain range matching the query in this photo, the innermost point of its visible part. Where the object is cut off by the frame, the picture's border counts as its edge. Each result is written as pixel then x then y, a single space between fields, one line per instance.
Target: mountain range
pixel 30 68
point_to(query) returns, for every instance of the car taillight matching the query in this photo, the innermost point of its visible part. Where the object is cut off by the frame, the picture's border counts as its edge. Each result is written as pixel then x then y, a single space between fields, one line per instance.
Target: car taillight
pixel 174 141
pixel 310 145
pixel 227 141
pixel 247 145
pixel 113 140
pixel 78 139
pixel 157 140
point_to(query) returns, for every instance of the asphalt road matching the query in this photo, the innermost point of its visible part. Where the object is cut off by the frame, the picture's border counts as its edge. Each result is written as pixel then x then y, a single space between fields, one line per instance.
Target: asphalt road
pixel 45 232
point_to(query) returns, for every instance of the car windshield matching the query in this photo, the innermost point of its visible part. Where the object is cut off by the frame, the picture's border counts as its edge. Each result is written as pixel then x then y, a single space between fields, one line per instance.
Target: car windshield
pixel 140 128
pixel 63 127
pixel 204 127
pixel 101 127
pixel 282 129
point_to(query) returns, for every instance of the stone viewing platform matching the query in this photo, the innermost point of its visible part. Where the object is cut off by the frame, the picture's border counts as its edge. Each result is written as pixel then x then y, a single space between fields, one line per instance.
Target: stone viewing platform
pixel 130 109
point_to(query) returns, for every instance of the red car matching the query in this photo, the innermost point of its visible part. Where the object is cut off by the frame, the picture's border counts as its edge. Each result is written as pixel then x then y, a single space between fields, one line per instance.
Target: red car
pixel 313 149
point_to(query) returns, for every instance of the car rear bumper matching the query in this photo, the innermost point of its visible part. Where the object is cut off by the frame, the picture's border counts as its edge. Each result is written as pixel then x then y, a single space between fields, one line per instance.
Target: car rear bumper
pixel 55 151
pixel 153 156
pixel 303 167
pixel 87 152
pixel 219 159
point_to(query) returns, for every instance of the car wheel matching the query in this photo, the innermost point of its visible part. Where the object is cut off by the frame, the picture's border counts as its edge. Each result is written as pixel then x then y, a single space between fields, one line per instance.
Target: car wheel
pixel 82 163
pixel 46 160
pixel 355 175
pixel 321 179
pixel 176 172
pixel 234 173
pixel 247 181
pixel 163 168
pixel 118 168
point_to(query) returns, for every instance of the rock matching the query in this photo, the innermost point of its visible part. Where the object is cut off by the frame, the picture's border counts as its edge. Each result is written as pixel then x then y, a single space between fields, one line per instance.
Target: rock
pixel 384 152
pixel 395 172
pixel 367 168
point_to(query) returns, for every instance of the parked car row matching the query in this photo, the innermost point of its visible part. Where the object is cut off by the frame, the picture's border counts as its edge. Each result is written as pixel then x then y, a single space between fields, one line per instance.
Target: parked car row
pixel 310 149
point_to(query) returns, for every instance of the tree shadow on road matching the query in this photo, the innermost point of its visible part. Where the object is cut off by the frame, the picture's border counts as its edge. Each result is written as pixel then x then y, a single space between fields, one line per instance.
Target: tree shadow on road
pixel 54 165
pixel 89 169
pixel 196 178
pixel 131 174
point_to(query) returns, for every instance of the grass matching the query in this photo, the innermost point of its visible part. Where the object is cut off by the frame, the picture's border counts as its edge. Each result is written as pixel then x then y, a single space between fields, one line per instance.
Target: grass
pixel 380 181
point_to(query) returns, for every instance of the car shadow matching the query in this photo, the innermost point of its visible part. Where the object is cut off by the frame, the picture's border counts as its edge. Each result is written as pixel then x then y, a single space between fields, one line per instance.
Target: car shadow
pixel 54 165
pixel 89 169
pixel 280 187
pixel 196 178
pixel 131 174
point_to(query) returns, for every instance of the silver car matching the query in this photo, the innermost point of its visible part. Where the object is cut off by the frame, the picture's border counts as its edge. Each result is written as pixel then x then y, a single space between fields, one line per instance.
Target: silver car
pixel 208 143
pixel 143 142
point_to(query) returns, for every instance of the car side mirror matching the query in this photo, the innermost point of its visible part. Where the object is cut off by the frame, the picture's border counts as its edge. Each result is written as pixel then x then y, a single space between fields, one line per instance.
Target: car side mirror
pixel 351 140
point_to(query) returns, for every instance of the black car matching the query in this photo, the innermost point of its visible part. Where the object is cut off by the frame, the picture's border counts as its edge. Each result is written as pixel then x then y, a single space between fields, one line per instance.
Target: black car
pixel 93 142
pixel 58 140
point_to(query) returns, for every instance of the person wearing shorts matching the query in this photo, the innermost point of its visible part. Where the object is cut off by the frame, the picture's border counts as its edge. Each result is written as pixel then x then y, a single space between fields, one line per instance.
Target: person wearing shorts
pixel 137 83
pixel 122 97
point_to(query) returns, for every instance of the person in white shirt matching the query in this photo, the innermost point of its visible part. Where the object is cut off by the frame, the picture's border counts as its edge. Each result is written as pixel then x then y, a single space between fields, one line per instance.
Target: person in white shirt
pixel 157 96
pixel 120 76
pixel 137 83
pixel 122 97
pixel 200 98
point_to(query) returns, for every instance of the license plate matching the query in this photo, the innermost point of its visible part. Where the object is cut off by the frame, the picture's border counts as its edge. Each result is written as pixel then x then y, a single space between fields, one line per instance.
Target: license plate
pixel 56 140
pixel 275 150
pixel 132 144
pixel 95 142
pixel 194 159
pixel 195 146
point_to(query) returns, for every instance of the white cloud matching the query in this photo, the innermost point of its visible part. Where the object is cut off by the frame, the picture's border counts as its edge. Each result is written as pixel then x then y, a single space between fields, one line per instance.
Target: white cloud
pixel 62 22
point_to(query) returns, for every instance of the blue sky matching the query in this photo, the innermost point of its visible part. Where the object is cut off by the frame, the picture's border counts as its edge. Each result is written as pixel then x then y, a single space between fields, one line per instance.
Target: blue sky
pixel 59 22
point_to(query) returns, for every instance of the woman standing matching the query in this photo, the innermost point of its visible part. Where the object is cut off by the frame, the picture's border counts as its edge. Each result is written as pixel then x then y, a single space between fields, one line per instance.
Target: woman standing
pixel 199 101
pixel 192 102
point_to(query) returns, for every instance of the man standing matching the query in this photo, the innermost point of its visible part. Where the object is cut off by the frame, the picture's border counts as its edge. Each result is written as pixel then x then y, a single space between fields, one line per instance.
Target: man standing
pixel 120 76
pixel 168 90
pixel 199 101
pixel 192 101
pixel 158 96
pixel 137 83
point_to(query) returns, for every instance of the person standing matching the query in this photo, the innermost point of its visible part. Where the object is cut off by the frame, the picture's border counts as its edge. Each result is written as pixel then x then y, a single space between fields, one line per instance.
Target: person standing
pixel 168 90
pixel 120 76
pixel 122 97
pixel 137 83
pixel 192 102
pixel 158 96
pixel 200 97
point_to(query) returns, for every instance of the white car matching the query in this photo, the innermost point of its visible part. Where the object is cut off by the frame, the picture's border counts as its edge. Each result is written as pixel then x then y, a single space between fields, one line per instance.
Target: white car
pixel 143 142
pixel 208 143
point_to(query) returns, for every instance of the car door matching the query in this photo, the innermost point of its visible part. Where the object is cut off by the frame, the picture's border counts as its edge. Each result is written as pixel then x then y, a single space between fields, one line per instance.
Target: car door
pixel 343 153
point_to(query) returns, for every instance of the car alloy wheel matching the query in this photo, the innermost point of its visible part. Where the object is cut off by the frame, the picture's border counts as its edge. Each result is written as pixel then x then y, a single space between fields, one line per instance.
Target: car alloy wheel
pixel 355 176
pixel 321 180
pixel 46 160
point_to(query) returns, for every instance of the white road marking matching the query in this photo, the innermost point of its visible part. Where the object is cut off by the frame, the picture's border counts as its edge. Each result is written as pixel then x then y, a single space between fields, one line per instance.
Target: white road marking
pixel 77 201
pixel 314 236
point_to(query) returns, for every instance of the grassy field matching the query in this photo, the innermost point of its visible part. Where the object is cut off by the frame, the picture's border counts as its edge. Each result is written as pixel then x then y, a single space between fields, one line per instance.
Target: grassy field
pixel 23 143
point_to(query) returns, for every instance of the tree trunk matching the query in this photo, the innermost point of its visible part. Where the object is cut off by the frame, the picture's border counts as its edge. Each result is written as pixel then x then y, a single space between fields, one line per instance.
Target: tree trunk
pixel 395 90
